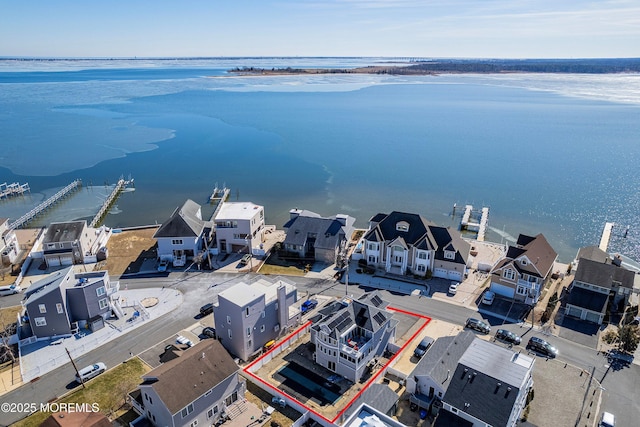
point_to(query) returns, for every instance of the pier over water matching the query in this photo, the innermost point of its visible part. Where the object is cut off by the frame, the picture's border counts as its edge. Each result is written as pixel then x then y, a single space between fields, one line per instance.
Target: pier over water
pixel 42 207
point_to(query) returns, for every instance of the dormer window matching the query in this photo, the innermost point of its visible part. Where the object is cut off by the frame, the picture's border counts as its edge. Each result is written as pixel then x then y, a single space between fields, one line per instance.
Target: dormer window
pixel 523 261
pixel 402 226
pixel 449 254
pixel 509 274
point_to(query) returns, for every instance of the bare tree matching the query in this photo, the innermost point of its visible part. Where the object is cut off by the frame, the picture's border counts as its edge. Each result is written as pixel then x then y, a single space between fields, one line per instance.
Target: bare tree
pixel 7 351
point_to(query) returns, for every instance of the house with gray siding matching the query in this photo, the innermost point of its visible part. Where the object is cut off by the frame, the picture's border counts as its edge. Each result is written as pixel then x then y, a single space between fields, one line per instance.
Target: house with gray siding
pixel 350 338
pixel 184 235
pixel 323 239
pixel 68 243
pixel 65 302
pixel 249 315
pixel 405 243
pixel 600 282
pixel 199 388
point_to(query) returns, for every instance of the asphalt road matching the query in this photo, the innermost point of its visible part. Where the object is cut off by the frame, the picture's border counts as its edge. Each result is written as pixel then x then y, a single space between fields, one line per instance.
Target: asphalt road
pixel 199 288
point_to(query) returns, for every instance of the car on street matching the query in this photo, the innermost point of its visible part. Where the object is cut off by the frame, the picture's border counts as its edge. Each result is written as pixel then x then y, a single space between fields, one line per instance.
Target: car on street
pixel 478 325
pixel 163 265
pixel 422 348
pixel 206 309
pixel 508 337
pixel 453 288
pixel 90 371
pixel 245 259
pixel 607 420
pixel 308 305
pixel 488 297
pixel 541 346
pixel 209 332
pixel 10 290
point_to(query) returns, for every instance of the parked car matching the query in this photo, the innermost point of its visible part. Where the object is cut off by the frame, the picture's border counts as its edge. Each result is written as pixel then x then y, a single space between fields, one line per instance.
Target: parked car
pixel 422 348
pixel 184 341
pixel 508 337
pixel 9 290
pixel 209 332
pixel 245 259
pixel 453 288
pixel 478 325
pixel 541 346
pixel 206 309
pixel 91 371
pixel 607 420
pixel 308 305
pixel 164 264
pixel 488 297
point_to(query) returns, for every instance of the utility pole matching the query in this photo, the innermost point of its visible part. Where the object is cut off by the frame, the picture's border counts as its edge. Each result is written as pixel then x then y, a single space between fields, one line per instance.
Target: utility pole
pixel 75 367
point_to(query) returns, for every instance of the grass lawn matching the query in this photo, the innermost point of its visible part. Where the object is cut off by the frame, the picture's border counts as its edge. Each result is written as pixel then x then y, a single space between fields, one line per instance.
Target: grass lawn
pixel 281 270
pixel 9 315
pixel 107 390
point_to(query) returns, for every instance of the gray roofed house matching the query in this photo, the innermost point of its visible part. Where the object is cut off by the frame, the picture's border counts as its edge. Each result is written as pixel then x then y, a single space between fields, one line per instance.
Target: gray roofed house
pixel 73 242
pixel 349 338
pixel 406 243
pixel 311 236
pixel 478 382
pixel 598 282
pixel 522 272
pixel 200 386
pixel 64 302
pixel 378 396
pixel 184 235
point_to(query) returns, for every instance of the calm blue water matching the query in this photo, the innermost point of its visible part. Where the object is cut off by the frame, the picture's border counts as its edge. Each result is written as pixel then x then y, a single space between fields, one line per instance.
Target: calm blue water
pixel 550 154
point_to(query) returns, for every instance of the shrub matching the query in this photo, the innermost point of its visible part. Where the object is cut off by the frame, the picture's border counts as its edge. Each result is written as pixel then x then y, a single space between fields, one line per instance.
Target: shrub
pixel 610 336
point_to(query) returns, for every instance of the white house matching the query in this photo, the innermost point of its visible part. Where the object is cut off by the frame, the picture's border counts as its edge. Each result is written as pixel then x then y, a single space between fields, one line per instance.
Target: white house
pixel 240 226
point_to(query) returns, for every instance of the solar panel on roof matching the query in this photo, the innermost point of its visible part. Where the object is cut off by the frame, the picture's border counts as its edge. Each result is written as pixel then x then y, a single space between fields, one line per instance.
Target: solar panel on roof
pixel 380 318
pixel 376 301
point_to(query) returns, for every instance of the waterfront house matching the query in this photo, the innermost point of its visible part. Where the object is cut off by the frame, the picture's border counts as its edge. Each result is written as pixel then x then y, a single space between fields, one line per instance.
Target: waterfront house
pixel 184 235
pixel 599 282
pixel 310 236
pixel 350 339
pixel 473 381
pixel 406 243
pixel 9 247
pixel 66 302
pixel 520 275
pixel 240 228
pixel 249 315
pixel 199 388
pixel 67 243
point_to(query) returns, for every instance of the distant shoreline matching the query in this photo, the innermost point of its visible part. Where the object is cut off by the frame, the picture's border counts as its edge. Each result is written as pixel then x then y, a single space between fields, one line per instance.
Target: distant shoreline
pixel 466 66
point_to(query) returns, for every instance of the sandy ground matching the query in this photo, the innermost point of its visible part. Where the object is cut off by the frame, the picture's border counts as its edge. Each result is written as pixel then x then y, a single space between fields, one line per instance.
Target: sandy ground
pixel 128 250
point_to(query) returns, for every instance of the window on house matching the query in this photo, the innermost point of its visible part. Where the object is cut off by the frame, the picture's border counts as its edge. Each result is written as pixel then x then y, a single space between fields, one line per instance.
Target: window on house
pixel 103 303
pixel 208 392
pixel 402 226
pixel 176 241
pixel 422 268
pixel 372 258
pixel 41 321
pixel 276 328
pixel 229 320
pixel 194 423
pixel 246 312
pixel 276 305
pixel 449 254
pixel 509 274
pixel 249 332
pixel 100 291
pixel 59 308
pixel 229 332
pixel 521 290
pixel 262 328
pixel 42 308
pixel 523 261
pixel 422 255
pixel 150 400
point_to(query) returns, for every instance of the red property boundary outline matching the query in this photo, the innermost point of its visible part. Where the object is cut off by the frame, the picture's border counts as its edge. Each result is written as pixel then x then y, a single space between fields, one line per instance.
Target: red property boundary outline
pixel 366 386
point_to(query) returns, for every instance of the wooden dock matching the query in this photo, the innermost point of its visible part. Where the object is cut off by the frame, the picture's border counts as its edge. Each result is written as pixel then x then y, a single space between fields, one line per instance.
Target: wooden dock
pixel 606 236
pixel 468 221
pixel 42 207
pixel 13 189
pixel 122 184
pixel 218 196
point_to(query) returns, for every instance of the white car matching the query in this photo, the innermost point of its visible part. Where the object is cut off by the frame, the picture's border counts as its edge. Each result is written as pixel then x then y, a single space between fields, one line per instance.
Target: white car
pixel 453 288
pixel 488 297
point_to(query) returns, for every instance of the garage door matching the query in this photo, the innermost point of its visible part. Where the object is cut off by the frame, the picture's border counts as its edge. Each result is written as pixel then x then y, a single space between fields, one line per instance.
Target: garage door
pixel 593 317
pixel 455 275
pixel 574 311
pixel 53 262
pixel 66 260
pixel 502 290
pixel 440 272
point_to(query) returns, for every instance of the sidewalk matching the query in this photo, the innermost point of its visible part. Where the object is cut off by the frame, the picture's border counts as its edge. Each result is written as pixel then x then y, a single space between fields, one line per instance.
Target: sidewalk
pixel 44 356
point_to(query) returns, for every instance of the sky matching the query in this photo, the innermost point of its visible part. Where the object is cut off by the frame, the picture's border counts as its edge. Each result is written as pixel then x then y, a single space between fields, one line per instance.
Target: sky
pixel 392 28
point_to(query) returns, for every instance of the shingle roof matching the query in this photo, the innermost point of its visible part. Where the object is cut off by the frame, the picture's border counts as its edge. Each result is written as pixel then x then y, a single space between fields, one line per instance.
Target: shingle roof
pixel 328 231
pixel 597 273
pixel 182 380
pixel 378 396
pixel 593 253
pixel 588 299
pixel 443 356
pixel 537 250
pixel 76 419
pixel 46 285
pixel 64 231
pixel 184 222
pixel 387 227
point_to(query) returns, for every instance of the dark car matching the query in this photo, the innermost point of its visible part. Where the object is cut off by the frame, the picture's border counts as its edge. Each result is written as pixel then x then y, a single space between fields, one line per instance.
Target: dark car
pixel 508 337
pixel 308 305
pixel 541 346
pixel 422 348
pixel 209 332
pixel 478 325
pixel 206 309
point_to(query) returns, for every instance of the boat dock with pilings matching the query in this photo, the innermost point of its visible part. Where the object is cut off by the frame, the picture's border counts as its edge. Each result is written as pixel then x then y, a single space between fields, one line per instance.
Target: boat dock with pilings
pixel 13 189
pixel 120 185
pixel 477 221
pixel 218 196
pixel 42 207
